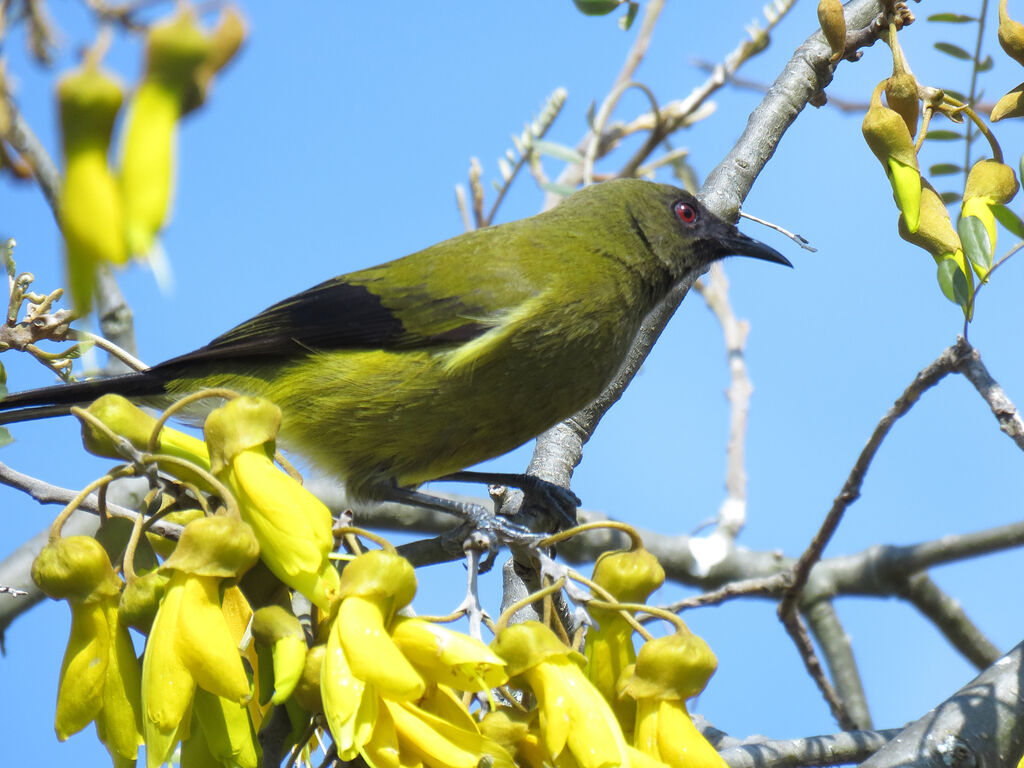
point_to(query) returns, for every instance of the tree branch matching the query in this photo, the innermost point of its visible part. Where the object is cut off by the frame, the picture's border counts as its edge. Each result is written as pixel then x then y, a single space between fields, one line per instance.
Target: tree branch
pixel 979 725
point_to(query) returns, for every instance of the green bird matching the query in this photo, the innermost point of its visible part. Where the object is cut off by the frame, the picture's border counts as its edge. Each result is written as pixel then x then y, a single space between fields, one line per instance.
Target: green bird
pixel 415 369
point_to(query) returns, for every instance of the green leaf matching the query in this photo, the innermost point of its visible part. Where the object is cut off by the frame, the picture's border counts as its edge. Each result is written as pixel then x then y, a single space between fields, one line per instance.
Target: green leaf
pixel 596 7
pixel 6 438
pixel 951 18
pixel 625 22
pixel 974 238
pixel 951 197
pixel 1013 223
pixel 944 169
pixel 985 65
pixel 956 95
pixel 955 285
pixel 948 48
pixel 943 135
pixel 557 151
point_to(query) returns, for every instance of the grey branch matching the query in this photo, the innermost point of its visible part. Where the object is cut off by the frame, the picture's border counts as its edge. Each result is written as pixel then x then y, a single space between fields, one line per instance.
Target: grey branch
pixel 823 621
pixel 560 449
pixel 836 749
pixel 979 725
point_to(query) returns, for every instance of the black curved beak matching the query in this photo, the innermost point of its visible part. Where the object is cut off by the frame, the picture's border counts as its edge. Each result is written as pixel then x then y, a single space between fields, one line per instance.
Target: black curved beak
pixel 739 244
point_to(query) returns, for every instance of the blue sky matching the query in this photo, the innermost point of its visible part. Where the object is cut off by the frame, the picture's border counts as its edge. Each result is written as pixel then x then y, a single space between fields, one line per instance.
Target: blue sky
pixel 334 143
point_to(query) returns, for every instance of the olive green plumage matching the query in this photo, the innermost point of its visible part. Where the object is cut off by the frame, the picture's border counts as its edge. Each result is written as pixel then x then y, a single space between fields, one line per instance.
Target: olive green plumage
pixel 419 367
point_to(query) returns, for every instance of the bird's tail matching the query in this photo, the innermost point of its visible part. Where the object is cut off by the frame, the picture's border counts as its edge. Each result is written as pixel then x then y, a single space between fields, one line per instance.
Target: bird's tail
pixel 58 400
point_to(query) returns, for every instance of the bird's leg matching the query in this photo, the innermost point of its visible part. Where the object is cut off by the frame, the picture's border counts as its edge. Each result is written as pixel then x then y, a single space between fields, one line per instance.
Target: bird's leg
pixel 551 497
pixel 475 515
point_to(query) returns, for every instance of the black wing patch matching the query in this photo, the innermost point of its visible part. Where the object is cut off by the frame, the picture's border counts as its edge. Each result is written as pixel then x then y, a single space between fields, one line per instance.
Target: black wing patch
pixel 335 314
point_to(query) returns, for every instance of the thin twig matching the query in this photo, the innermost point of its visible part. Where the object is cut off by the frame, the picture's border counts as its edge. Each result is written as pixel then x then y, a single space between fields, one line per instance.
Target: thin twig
pixel 732 514
pixel 797 630
pixel 837 651
pixel 928 377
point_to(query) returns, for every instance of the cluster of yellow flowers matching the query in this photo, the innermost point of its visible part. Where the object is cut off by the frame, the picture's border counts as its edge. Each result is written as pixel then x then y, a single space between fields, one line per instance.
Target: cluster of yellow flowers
pixel 106 217
pixel 223 645
pixel 961 252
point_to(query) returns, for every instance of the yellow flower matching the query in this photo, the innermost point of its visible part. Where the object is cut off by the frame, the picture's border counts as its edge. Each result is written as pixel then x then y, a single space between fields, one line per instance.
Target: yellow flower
pixel 90 208
pixel 438 743
pixel 225 728
pixel 191 643
pixel 574 716
pixel 127 420
pixel 668 671
pixel 99 679
pixel 278 631
pixel 362 661
pixel 989 183
pixel 385 681
pixel 1010 34
pixel 293 527
pixel 1009 105
pixel 889 138
pixel 937 236
pixel 630 576
pixel 448 658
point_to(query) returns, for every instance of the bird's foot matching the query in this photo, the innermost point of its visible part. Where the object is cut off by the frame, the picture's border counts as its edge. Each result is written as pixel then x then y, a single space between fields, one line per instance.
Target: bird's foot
pixel 558 502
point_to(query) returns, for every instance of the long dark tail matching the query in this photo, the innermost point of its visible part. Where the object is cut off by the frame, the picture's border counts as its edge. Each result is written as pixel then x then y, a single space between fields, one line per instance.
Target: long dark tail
pixel 57 400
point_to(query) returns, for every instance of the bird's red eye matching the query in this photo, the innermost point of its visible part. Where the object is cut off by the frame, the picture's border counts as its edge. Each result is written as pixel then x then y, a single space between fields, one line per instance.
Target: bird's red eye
pixel 686 212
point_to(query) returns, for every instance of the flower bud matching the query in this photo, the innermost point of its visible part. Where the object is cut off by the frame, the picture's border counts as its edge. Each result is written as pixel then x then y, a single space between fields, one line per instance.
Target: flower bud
pixel 276 628
pixel 239 425
pixel 677 666
pixel 1011 34
pixel 141 599
pixel 379 574
pixel 223 547
pixel 225 40
pixel 631 575
pixel 307 690
pixel 75 568
pixel 901 96
pixel 1010 105
pixel 833 24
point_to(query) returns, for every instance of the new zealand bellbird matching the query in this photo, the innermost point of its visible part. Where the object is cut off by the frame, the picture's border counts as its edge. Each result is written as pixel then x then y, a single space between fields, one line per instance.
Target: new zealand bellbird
pixel 414 369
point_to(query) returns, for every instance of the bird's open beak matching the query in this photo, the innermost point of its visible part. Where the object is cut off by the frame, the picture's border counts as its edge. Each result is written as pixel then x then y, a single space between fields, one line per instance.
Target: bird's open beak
pixel 741 245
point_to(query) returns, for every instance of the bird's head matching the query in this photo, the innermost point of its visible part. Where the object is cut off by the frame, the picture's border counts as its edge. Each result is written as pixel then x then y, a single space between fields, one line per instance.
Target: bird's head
pixel 678 229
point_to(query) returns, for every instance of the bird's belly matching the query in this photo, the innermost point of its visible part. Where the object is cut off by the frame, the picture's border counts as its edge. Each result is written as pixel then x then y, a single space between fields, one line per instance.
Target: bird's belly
pixel 381 417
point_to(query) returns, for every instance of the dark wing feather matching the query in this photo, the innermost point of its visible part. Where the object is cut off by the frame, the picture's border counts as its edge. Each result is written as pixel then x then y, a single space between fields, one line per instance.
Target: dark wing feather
pixel 338 314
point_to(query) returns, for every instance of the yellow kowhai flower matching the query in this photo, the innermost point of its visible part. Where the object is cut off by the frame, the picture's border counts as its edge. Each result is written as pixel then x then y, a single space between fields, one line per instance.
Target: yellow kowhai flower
pixel 886 133
pixel 989 183
pixel 361 660
pixel 91 215
pixel 448 658
pixel 937 236
pixel 630 576
pixel 387 682
pixel 130 422
pixel 281 645
pixel 668 671
pixel 190 643
pixel 574 716
pixel 293 527
pixel 99 677
pixel 221 734
pixel 440 743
